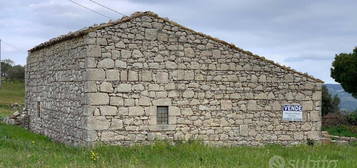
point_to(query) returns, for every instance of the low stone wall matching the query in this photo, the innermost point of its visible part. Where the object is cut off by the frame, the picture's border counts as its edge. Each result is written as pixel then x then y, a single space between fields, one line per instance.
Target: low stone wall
pixel 328 139
pixel 19 117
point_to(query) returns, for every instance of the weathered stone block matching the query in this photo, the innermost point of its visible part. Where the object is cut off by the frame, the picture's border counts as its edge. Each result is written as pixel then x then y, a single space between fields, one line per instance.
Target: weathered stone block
pixel 189 75
pixel 161 94
pixel 146 76
pixel 314 135
pixel 106 87
pixel 308 105
pixel 315 116
pixel 144 101
pixel 129 102
pixel 97 123
pixel 112 75
pixel 102 41
pixel 123 110
pixel 137 111
pixel 226 104
pixel 106 63
pixel 108 136
pixel 194 65
pixel 154 87
pixel 91 86
pixel 124 75
pixel 174 111
pixel 94 51
pixel 125 53
pixel 162 37
pixel 91 62
pixel 120 64
pixel 262 78
pixel 137 54
pixel 116 124
pixel 95 74
pixel 133 76
pixel 116 101
pixel 284 137
pixel 108 110
pixel 150 34
pixel 206 53
pixel 138 87
pixel 171 65
pixel 252 105
pixel 97 98
pixel 120 44
pixel 172 94
pixel 188 94
pixel 216 53
pixel 189 52
pixel 162 102
pixel 162 77
pixel 317 95
pixel 115 54
pixel 123 88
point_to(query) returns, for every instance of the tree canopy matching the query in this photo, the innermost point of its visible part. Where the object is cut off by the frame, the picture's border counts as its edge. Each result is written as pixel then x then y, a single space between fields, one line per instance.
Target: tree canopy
pixel 344 71
pixel 9 71
pixel 329 104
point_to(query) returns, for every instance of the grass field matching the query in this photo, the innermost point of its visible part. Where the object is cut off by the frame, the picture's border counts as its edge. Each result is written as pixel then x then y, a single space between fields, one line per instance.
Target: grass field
pixel 12 92
pixel 21 148
pixel 342 130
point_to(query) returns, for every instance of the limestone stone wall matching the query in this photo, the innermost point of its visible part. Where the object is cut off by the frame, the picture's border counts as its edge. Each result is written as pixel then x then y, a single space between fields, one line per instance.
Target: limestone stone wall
pixel 55 91
pixel 215 93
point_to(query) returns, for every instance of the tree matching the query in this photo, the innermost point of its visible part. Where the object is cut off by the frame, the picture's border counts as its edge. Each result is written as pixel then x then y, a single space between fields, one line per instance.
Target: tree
pixel 329 104
pixel 5 67
pixel 335 104
pixel 8 61
pixel 10 71
pixel 344 71
pixel 17 72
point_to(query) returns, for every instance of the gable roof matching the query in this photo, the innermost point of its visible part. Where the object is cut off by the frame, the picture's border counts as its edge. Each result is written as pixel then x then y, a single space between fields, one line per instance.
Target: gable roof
pixel 93 28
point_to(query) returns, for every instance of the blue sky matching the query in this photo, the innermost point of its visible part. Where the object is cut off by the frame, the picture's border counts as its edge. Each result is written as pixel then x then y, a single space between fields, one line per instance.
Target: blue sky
pixel 304 35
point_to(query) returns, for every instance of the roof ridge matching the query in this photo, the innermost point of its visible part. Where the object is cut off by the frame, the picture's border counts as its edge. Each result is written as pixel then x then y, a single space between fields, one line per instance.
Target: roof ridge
pixel 124 19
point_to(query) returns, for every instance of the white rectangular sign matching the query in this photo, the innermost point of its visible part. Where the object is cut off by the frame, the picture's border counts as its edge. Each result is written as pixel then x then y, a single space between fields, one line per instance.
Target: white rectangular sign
pixel 292 112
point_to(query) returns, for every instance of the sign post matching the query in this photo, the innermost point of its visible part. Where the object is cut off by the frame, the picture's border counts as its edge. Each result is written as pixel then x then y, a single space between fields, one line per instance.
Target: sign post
pixel 292 112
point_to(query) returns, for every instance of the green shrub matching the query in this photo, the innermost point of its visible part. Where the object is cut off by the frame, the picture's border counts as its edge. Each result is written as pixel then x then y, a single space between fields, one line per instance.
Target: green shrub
pixel 352 118
pixel 341 130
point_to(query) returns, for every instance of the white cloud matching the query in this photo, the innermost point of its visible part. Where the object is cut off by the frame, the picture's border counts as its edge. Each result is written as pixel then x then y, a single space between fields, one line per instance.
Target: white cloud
pixel 300 34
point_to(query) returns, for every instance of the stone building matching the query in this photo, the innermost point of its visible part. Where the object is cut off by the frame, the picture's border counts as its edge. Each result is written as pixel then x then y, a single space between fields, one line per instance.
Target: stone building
pixel 143 78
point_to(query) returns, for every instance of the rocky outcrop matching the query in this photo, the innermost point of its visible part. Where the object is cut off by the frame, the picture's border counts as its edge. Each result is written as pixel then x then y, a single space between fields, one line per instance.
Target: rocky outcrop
pixel 20 117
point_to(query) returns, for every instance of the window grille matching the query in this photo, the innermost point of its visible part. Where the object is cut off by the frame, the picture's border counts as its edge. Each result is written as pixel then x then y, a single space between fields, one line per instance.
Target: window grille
pixel 162 115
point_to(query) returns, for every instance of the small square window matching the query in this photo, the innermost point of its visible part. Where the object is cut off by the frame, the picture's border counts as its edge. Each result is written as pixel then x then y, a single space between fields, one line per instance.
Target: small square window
pixel 162 115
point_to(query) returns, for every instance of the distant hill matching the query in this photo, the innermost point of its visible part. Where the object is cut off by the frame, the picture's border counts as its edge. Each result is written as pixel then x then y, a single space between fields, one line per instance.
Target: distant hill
pixel 348 103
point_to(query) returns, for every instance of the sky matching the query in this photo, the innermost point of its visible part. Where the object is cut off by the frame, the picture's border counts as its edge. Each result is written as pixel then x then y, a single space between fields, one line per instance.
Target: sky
pixel 305 35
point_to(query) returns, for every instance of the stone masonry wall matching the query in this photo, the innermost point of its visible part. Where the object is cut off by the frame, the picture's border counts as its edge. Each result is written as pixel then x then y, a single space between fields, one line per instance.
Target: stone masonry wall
pixel 55 91
pixel 214 92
